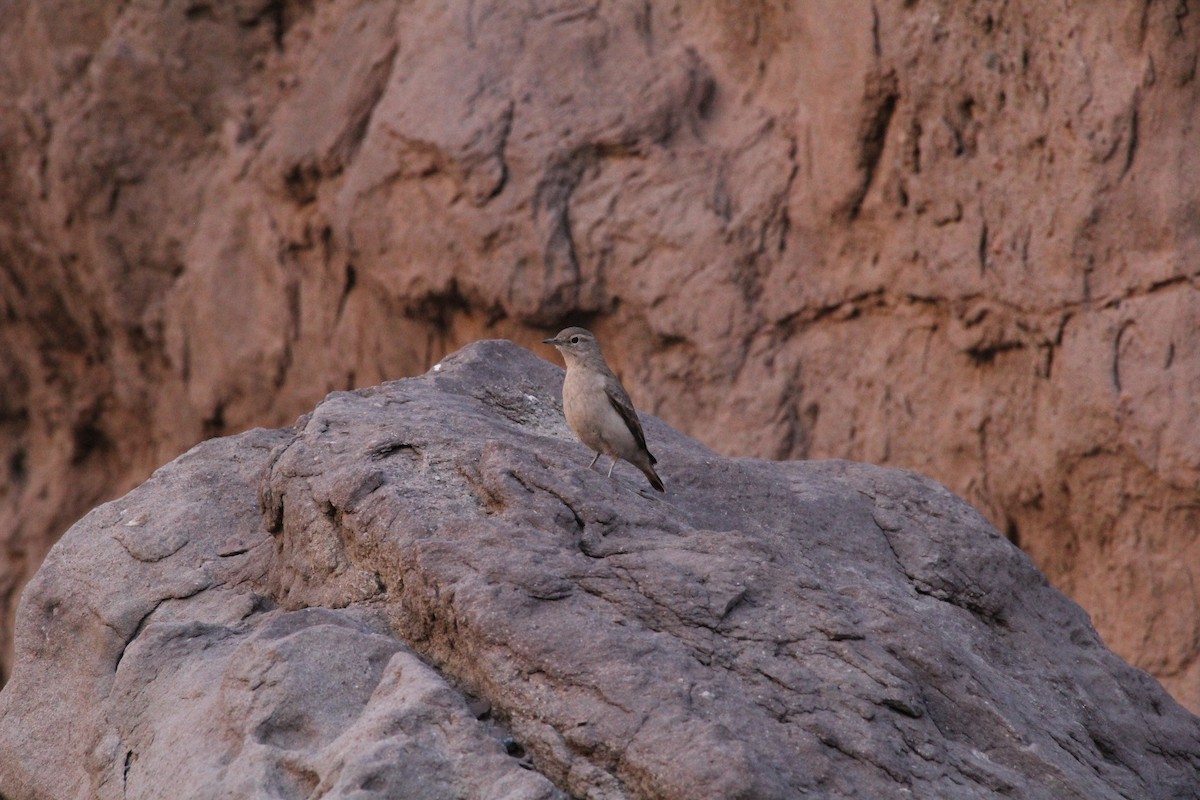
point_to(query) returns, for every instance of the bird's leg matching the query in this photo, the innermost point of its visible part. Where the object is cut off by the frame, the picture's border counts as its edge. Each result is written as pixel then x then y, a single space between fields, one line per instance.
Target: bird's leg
pixel 611 465
pixel 594 460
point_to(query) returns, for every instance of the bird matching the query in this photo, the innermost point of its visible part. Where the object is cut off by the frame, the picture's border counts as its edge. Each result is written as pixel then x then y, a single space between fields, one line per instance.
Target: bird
pixel 597 407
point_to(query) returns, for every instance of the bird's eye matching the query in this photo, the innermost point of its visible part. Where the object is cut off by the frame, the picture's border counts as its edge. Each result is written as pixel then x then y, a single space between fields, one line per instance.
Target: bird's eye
pixel 574 340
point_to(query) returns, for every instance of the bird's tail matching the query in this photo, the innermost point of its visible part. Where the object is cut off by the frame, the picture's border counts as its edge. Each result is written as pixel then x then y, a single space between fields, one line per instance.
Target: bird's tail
pixel 652 476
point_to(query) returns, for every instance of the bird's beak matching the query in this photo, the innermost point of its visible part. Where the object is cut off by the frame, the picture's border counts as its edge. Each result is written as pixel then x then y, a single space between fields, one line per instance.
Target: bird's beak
pixel 550 341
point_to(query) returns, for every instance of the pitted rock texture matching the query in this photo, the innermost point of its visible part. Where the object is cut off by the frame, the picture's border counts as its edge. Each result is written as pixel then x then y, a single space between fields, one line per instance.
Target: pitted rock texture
pixel 960 238
pixel 151 663
pixel 423 577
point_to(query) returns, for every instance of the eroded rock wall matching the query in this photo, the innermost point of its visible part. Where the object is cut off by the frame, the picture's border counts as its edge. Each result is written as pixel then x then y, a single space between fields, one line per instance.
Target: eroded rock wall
pixel 964 240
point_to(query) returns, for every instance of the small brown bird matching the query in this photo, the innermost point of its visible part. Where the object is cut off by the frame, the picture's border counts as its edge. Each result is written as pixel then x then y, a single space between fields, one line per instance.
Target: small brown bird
pixel 598 408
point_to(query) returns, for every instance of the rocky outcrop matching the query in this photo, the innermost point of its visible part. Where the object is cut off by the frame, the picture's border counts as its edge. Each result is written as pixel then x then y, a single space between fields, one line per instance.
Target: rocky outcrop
pixel 956 239
pixel 422 591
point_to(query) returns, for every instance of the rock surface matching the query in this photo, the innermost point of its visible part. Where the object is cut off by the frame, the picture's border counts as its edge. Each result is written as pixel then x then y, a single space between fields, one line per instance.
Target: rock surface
pixel 421 591
pixel 957 238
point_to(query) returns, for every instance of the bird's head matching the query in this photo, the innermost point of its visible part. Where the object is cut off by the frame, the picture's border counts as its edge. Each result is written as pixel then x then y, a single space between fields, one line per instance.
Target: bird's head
pixel 576 344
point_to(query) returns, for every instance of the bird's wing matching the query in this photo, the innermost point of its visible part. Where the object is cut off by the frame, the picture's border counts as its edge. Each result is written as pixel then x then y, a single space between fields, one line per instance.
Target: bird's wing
pixel 620 401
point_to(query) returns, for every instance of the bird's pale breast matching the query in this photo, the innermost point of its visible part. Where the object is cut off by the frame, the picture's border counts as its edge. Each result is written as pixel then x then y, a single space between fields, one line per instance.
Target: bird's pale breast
pixel 592 417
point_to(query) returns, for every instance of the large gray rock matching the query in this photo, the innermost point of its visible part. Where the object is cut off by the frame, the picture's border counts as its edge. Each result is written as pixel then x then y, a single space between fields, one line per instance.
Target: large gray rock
pixel 421 591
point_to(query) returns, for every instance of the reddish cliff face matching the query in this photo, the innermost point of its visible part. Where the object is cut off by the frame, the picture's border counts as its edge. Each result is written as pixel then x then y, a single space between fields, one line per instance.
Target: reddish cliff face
pixel 963 241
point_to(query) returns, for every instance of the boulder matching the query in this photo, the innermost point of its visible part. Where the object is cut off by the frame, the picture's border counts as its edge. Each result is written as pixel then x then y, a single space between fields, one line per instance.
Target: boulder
pixel 421 590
